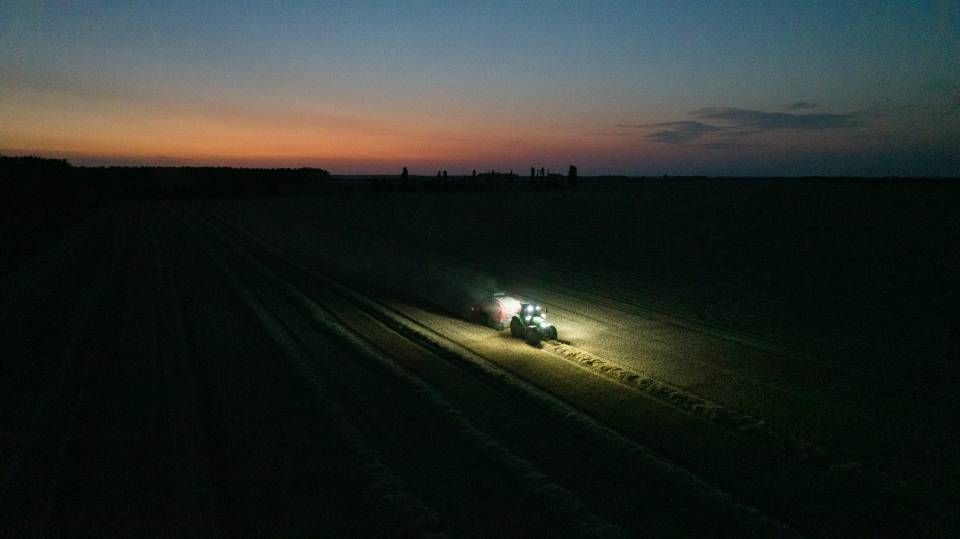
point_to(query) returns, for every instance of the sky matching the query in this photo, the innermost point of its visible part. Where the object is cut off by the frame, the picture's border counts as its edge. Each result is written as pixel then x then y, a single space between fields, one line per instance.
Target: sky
pixel 637 88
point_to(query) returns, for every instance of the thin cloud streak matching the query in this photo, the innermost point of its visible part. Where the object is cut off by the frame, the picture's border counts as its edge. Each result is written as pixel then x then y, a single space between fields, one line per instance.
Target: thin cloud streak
pixel 736 123
pixel 726 145
pixel 777 120
pixel 683 132
pixel 802 105
pixel 679 132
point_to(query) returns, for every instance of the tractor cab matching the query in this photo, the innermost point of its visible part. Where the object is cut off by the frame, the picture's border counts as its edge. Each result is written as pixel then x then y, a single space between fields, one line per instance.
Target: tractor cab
pixel 530 311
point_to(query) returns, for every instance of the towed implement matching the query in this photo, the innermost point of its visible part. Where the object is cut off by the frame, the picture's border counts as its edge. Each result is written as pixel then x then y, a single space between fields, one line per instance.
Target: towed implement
pixel 495 311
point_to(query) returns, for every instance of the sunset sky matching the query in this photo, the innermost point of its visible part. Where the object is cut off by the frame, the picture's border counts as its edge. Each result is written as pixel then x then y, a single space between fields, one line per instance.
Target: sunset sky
pixel 716 88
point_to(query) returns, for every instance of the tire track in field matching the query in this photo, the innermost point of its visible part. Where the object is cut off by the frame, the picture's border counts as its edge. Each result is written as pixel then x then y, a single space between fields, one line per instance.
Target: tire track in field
pixel 30 483
pixel 288 461
pixel 832 463
pixel 862 412
pixel 407 512
pixel 592 298
pixel 773 384
pixel 563 505
pixel 188 447
pixel 76 235
pixel 694 319
pixel 864 486
pixel 670 477
pixel 113 472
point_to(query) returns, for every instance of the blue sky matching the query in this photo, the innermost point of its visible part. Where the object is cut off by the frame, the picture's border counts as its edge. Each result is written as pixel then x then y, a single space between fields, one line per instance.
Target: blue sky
pixel 616 87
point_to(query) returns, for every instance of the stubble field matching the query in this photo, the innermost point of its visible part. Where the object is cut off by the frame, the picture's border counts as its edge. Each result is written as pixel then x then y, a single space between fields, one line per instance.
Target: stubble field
pixel 734 357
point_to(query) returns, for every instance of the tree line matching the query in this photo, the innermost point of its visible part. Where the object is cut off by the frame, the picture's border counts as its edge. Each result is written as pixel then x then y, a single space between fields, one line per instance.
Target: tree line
pixel 31 180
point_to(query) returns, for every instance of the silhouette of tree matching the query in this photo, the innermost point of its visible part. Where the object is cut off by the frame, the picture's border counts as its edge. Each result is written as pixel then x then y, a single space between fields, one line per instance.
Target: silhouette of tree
pixel 404 174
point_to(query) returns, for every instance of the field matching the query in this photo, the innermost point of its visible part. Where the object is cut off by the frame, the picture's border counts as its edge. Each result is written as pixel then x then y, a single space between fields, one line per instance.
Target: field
pixel 735 357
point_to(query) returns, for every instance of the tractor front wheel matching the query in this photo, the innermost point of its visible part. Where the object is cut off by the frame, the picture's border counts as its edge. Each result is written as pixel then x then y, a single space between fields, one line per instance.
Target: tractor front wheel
pixel 534 335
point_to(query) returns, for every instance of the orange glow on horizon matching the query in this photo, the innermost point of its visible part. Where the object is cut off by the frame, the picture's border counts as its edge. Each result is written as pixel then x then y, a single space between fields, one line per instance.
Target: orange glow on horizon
pixel 156 128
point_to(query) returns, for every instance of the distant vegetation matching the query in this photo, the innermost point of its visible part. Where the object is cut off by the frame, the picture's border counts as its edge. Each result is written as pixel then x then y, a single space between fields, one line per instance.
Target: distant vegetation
pixel 491 180
pixel 35 180
pixel 31 181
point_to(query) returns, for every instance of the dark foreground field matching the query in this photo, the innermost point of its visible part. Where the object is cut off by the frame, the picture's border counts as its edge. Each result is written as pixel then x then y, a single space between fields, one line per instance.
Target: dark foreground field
pixel 736 358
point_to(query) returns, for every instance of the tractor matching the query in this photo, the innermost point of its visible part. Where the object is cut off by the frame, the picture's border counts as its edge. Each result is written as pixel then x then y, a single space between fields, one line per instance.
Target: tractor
pixel 531 324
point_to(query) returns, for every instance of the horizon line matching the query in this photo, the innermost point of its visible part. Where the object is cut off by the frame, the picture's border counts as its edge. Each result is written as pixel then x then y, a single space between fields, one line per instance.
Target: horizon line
pixel 66 156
